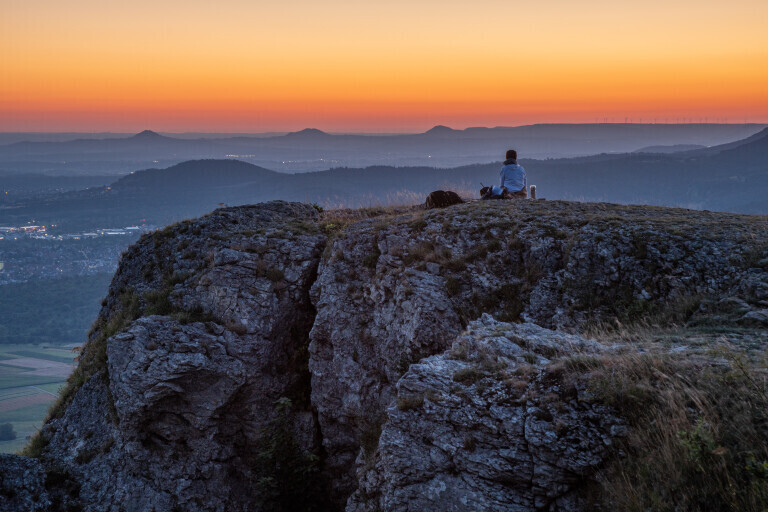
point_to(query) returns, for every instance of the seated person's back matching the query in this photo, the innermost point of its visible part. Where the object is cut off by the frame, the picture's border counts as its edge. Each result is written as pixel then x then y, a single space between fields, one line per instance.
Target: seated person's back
pixel 512 174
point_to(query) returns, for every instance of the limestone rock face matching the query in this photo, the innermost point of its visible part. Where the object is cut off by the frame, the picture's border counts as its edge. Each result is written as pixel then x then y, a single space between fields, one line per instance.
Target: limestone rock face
pixel 483 427
pixel 374 319
pixel 180 415
pixel 393 291
pixel 22 485
pixel 86 445
pixel 260 358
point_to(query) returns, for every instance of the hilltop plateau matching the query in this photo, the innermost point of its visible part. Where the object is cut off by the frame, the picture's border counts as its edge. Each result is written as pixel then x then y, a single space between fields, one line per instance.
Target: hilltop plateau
pixel 495 355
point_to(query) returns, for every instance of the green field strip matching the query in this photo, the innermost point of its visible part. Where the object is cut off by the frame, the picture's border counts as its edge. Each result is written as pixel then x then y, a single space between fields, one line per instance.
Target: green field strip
pixel 26 417
pixel 54 388
pixel 45 355
pixel 66 356
pixel 6 394
pixel 14 446
pixel 60 351
pixel 16 381
pixel 8 368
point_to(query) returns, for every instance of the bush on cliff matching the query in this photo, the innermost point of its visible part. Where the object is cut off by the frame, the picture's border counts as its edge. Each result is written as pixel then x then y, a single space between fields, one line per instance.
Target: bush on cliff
pixel 6 432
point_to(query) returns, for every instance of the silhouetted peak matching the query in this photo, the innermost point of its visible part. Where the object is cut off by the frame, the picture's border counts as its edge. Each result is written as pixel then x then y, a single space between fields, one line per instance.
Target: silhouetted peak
pixel 440 129
pixel 148 135
pixel 307 132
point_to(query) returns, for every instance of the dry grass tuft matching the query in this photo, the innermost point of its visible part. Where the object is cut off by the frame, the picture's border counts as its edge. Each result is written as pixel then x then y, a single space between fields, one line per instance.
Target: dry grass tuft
pixel 698 430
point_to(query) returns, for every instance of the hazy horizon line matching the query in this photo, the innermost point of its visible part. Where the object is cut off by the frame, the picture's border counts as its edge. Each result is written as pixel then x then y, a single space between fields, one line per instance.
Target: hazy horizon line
pixel 367 132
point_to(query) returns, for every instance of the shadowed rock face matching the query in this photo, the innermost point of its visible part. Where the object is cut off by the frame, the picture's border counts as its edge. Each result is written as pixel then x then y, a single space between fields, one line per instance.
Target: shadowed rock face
pixel 191 394
pixel 22 484
pixel 243 361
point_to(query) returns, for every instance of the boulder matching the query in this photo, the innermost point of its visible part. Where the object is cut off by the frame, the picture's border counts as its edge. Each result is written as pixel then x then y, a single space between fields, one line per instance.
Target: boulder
pixel 483 426
pixel 442 199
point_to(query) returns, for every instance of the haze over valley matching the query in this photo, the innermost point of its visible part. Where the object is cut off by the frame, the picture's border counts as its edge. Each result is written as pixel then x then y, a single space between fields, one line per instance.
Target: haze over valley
pixel 726 177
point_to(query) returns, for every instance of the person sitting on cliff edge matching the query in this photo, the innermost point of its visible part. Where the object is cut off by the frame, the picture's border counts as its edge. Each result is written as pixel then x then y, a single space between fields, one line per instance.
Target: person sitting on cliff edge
pixel 513 177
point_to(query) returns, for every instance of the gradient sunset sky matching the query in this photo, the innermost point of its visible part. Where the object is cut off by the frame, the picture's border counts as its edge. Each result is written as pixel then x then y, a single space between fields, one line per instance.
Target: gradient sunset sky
pixel 386 66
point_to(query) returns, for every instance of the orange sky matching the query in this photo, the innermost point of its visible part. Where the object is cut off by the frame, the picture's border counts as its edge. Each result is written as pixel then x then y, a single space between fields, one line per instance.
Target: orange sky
pixel 395 65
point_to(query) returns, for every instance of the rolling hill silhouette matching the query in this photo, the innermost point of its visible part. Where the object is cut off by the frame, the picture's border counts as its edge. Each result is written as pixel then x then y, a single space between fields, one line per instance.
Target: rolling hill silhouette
pixel 731 177
pixel 314 150
pixel 148 135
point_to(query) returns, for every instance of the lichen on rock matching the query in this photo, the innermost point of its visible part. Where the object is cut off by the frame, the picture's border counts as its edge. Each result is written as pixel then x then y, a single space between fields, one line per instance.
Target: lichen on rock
pixel 482 427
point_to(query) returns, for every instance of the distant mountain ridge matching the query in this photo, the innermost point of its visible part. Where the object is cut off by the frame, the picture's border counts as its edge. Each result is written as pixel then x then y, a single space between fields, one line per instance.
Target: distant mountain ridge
pixel 148 135
pixel 675 148
pixel 312 149
pixel 193 174
pixel 730 177
pixel 308 132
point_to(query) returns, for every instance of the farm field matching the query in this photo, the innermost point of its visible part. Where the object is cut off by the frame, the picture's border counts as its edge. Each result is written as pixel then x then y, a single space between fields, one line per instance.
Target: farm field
pixel 30 380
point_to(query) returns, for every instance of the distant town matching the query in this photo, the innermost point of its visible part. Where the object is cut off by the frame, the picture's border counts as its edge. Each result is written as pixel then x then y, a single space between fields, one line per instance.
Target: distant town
pixel 42 232
pixel 34 252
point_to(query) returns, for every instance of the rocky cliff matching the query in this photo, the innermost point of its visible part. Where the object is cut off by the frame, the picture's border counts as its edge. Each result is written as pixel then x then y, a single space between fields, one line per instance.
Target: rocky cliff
pixel 273 358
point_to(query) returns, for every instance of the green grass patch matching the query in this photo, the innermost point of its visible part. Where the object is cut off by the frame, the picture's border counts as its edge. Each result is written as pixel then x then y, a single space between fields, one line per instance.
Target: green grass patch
pixel 275 275
pixel 372 259
pixel 468 375
pixel 410 403
pixel 158 302
pixel 698 437
pixel 452 286
pixel 287 476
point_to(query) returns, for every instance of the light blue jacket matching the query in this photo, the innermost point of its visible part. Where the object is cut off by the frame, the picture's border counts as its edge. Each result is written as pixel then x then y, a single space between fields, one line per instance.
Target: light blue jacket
pixel 513 176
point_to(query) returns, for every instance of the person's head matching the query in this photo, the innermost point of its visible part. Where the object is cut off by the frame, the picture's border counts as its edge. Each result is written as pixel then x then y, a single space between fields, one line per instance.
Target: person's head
pixel 511 154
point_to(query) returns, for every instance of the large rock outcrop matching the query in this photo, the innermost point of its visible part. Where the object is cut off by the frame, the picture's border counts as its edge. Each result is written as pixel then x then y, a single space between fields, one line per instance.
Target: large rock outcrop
pixel 183 414
pixel 394 290
pixel 260 358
